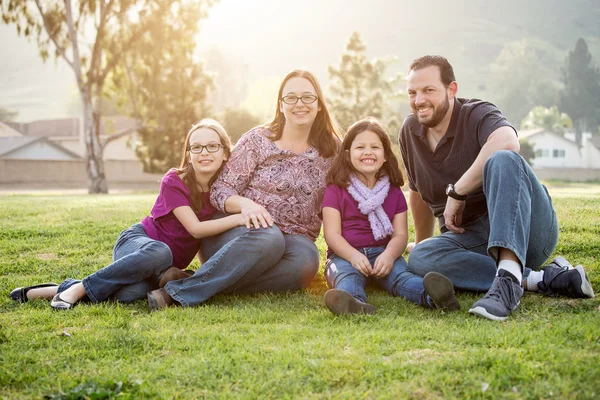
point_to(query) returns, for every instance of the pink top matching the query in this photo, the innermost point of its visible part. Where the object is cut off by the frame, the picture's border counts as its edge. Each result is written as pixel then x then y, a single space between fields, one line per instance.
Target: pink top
pixel 162 225
pixel 289 185
pixel 356 228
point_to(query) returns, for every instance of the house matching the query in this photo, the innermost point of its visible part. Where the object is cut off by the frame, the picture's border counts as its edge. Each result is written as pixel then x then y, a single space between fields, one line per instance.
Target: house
pixel 553 150
pixel 591 151
pixel 7 130
pixel 68 133
pixel 33 148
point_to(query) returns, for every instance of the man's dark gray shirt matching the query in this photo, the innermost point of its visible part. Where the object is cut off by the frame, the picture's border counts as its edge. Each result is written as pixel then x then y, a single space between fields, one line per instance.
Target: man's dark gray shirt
pixel 473 121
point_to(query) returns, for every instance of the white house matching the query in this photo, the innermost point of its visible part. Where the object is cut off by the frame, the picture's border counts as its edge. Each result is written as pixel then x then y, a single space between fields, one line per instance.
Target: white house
pixel 553 150
pixel 591 152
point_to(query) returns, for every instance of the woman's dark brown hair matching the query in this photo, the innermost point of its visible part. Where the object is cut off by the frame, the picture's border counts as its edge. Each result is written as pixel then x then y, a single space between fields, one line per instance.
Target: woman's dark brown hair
pixel 342 168
pixel 325 134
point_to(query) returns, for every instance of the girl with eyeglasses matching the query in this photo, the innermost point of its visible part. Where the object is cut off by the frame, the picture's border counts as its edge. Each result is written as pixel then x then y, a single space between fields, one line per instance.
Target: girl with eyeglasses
pixel 159 248
pixel 275 178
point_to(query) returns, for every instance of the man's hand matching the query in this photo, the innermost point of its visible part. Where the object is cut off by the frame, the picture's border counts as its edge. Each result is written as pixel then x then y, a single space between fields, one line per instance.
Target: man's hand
pixel 453 214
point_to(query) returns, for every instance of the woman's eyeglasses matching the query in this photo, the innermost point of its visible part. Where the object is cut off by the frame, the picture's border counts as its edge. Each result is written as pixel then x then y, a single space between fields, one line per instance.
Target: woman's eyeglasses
pixel 306 99
pixel 211 148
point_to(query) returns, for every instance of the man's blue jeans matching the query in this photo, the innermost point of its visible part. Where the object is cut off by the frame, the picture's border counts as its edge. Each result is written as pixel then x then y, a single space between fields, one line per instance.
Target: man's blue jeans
pixel 520 218
pixel 137 264
pixel 245 260
pixel 340 274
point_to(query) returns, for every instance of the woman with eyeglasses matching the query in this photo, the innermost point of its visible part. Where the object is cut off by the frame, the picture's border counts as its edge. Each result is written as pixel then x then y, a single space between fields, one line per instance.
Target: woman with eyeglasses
pixel 150 253
pixel 275 178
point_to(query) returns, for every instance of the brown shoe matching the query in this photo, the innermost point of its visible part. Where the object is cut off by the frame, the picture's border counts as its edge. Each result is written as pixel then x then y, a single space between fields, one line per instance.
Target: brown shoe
pixel 159 299
pixel 172 274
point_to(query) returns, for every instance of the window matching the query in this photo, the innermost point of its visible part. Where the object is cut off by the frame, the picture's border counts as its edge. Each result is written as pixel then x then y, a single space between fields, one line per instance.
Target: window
pixel 558 153
pixel 539 153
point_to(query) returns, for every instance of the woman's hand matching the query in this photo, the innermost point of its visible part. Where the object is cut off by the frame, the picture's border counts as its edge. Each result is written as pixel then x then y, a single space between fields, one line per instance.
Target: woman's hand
pixel 383 265
pixel 361 263
pixel 255 215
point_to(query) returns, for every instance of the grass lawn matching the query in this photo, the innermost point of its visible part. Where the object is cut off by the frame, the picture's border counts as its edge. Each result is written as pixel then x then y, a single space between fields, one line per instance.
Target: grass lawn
pixel 277 346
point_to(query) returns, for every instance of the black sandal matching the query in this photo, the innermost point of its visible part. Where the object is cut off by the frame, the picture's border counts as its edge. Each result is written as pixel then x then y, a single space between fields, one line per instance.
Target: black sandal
pixel 20 294
pixel 59 304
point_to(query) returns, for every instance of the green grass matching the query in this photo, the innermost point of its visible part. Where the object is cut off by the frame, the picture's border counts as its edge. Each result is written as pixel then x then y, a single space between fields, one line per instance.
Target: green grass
pixel 276 346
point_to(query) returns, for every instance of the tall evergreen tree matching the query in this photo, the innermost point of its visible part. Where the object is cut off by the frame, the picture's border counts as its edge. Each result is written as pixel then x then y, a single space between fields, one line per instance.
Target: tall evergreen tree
pixel 359 87
pixel 580 97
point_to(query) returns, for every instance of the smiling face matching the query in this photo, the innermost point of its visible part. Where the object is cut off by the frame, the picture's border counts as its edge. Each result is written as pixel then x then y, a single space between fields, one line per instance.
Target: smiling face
pixel 205 163
pixel 367 154
pixel 299 114
pixel 429 97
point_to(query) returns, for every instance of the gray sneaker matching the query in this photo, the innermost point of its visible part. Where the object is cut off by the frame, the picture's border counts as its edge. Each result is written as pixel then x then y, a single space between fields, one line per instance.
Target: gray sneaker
pixel 503 298
pixel 561 278
pixel 341 302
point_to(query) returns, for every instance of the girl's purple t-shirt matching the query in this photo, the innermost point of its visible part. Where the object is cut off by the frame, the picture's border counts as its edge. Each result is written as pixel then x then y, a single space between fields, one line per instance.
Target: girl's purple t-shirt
pixel 162 225
pixel 356 228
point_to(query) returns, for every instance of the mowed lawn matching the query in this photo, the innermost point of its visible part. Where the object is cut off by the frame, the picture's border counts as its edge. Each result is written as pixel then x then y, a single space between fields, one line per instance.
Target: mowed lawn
pixel 278 345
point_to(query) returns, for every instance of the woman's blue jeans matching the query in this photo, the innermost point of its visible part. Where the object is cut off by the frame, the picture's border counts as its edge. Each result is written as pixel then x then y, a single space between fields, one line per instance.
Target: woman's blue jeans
pixel 520 218
pixel 340 274
pixel 137 264
pixel 245 260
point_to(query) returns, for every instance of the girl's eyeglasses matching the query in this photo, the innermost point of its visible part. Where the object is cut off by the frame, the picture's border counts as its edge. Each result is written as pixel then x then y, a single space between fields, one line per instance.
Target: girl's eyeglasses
pixel 211 148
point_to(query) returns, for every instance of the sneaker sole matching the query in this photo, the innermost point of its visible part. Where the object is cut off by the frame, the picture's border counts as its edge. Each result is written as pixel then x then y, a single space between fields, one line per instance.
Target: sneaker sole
pixel 341 302
pixel 586 286
pixel 482 312
pixel 441 291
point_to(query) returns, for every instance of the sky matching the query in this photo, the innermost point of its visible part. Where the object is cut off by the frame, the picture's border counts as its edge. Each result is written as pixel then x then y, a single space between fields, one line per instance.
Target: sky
pixel 268 38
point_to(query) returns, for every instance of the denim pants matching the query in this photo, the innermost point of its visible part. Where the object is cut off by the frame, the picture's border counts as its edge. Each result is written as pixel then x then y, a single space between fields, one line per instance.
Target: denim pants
pixel 520 218
pixel 137 264
pixel 340 274
pixel 244 260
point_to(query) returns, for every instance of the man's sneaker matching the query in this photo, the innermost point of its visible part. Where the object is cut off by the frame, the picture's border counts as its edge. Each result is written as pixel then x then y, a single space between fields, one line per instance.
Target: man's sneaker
pixel 503 298
pixel 561 278
pixel 441 291
pixel 341 302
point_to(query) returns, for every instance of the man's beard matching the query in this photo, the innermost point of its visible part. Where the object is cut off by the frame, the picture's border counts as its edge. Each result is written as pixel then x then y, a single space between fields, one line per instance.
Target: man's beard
pixel 438 114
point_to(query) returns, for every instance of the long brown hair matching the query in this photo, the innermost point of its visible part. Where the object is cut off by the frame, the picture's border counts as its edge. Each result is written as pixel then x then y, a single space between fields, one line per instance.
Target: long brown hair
pixel 186 170
pixel 342 168
pixel 325 134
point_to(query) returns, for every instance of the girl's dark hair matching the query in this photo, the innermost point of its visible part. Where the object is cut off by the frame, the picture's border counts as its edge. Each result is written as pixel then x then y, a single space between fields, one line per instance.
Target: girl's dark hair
pixel 186 170
pixel 342 168
pixel 325 135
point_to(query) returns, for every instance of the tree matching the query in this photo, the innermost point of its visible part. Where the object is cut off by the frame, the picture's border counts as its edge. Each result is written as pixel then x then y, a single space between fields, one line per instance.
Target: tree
pixel 94 37
pixel 580 97
pixel 161 85
pixel 359 87
pixel 7 115
pixel 517 83
pixel 238 121
pixel 548 118
pixel 527 151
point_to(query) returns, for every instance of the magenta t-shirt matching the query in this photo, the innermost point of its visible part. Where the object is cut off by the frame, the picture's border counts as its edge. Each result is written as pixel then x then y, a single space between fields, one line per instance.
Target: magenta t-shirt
pixel 162 225
pixel 356 228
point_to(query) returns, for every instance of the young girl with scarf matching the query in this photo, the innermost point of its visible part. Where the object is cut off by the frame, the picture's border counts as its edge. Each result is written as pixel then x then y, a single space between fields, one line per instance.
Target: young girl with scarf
pixel 366 230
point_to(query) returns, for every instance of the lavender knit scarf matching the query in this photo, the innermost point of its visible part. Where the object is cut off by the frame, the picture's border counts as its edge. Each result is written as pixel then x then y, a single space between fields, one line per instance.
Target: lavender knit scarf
pixel 370 204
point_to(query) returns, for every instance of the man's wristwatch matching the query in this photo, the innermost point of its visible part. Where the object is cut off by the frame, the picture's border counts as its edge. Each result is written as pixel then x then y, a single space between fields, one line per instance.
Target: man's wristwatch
pixel 452 193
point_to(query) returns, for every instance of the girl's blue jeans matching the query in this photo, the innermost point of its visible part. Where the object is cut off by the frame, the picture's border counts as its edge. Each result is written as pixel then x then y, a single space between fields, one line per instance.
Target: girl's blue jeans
pixel 340 274
pixel 135 270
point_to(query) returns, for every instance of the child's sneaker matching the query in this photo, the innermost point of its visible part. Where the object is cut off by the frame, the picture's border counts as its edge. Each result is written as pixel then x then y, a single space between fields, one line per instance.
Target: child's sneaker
pixel 561 278
pixel 441 291
pixel 341 302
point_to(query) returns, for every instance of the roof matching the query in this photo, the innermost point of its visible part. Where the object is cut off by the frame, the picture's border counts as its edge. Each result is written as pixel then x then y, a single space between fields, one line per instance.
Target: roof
pixel 9 144
pixel 595 140
pixel 7 130
pixel 70 127
pixel 527 134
